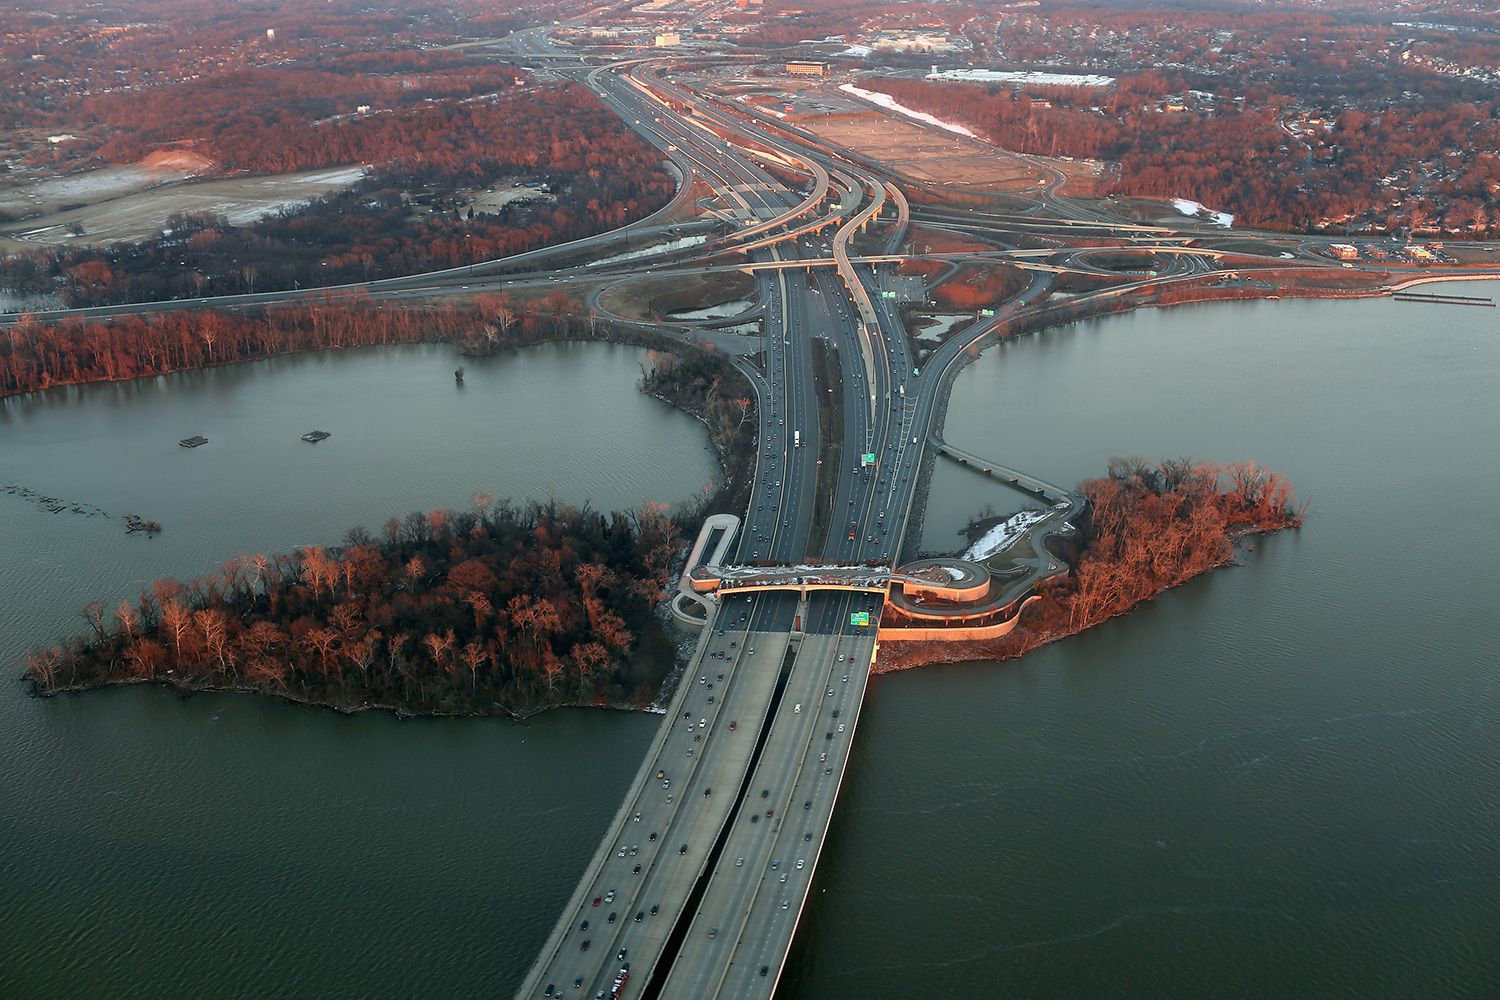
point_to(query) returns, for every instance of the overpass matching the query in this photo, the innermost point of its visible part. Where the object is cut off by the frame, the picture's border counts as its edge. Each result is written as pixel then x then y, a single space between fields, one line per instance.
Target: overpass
pixel 701 877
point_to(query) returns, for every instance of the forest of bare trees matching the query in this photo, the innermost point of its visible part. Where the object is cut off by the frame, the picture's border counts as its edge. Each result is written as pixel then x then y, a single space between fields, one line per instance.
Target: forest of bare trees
pixel 491 610
pixel 1150 528
pixel 498 609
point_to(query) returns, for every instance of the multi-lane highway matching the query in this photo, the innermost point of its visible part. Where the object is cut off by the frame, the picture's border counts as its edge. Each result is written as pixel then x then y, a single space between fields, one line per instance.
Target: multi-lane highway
pixel 740 785
pixel 700 879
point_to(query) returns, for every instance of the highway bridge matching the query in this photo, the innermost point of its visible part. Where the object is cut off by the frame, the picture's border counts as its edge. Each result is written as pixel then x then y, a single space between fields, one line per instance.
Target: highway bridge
pixel 701 877
pixel 699 882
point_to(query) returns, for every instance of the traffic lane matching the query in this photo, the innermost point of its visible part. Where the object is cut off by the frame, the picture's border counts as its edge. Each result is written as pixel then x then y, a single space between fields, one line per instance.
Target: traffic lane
pixel 615 872
pixel 601 869
pixel 672 874
pixel 612 873
pixel 749 892
pixel 769 790
pixel 780 925
pixel 777 925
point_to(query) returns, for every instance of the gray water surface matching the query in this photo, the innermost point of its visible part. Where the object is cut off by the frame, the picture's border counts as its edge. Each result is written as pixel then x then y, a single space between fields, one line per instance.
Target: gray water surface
pixel 1277 781
pixel 225 846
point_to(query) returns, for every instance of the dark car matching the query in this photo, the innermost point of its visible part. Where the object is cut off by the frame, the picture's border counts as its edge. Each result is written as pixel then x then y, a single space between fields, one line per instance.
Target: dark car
pixel 585 945
pixel 612 915
pixel 682 849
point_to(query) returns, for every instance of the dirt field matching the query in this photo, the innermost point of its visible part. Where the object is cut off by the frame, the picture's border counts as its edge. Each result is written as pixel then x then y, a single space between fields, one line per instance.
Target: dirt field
pixel 130 203
pixel 655 297
pixel 924 154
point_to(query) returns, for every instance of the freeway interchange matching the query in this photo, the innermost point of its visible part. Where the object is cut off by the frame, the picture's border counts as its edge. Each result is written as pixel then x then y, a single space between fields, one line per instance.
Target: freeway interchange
pixel 701 877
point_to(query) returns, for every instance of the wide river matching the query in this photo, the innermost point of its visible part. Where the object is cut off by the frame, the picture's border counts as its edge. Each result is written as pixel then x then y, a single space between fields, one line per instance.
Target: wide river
pixel 1278 781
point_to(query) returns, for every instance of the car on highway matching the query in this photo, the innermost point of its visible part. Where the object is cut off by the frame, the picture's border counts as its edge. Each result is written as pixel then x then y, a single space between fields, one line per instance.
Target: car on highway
pixel 612 916
pixel 800 863
pixel 598 900
pixel 609 897
pixel 682 849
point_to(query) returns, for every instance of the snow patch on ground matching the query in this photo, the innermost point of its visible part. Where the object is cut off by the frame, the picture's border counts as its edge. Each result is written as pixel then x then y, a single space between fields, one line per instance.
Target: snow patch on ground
pixel 722 311
pixel 857 52
pixel 677 244
pixel 944 325
pixel 954 573
pixel 1196 210
pixel 1029 76
pixel 1003 535
pixel 889 103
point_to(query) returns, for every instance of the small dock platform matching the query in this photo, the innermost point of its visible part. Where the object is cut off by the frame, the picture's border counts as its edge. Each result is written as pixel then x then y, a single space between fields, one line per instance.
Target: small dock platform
pixel 316 436
pixel 196 441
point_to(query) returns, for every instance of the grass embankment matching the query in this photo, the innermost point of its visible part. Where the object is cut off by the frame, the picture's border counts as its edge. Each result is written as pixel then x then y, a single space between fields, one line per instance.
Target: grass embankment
pixel 658 298
pixel 828 384
pixel 1150 529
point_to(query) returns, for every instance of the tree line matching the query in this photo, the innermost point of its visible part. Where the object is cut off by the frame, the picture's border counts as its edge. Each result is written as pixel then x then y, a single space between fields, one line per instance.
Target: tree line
pixel 1240 160
pixel 1149 528
pixel 496 609
pixel 605 176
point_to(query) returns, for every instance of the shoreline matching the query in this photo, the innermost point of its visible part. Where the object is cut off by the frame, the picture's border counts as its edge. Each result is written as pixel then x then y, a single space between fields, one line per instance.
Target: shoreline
pixel 186 689
pixel 912 656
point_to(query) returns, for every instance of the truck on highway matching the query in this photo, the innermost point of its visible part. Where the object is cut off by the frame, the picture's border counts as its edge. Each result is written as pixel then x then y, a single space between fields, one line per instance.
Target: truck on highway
pixel 796 439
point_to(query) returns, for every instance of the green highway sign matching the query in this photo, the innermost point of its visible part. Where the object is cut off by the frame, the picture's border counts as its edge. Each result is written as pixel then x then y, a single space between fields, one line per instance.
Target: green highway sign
pixel 868 458
pixel 859 618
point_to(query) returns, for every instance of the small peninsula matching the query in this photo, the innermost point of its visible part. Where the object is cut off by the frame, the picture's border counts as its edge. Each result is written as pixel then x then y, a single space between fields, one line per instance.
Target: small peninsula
pixel 510 611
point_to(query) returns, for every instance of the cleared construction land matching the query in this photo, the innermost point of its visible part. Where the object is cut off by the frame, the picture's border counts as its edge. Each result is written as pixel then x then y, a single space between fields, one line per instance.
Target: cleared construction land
pixel 120 204
pixel 925 154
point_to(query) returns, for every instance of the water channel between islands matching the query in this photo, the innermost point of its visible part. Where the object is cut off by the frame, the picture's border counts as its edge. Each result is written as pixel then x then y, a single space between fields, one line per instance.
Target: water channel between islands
pixel 1276 781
